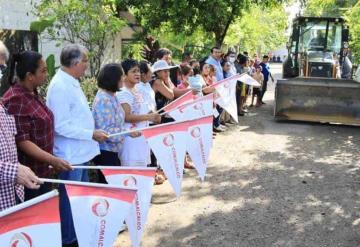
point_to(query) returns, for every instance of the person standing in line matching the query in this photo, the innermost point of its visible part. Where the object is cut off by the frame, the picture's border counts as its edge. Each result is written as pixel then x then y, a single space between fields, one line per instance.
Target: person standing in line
pixel 266 72
pixel 231 60
pixel 215 60
pixel 13 175
pixel 136 151
pixel 186 58
pixel 34 120
pixel 76 139
pixel 241 64
pixel 259 77
pixel 144 86
pixel 109 116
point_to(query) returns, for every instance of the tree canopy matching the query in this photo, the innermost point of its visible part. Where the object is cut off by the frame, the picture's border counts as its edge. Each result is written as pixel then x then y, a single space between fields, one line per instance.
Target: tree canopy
pixel 332 8
pixel 259 29
pixel 214 17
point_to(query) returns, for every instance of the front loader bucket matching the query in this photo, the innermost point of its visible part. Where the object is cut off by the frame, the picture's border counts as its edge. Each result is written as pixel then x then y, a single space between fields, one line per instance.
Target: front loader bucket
pixel 318 100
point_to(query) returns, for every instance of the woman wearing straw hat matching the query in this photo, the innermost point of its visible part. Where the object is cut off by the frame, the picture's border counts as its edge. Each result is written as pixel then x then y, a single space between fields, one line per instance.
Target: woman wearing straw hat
pixel 164 89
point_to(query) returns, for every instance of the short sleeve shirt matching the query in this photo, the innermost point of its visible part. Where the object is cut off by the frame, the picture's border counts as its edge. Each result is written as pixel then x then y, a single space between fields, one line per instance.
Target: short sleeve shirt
pixel 34 122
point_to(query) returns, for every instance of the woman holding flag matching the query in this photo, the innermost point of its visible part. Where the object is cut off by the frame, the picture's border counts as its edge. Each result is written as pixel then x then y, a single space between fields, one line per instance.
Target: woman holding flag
pixel 135 150
pixel 12 173
pixel 109 116
pixel 34 120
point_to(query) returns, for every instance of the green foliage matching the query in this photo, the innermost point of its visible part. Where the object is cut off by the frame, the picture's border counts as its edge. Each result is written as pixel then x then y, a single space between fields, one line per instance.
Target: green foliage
pixel 185 17
pixel 198 42
pixel 131 50
pixel 50 63
pixel 353 18
pixel 89 87
pixel 42 24
pixel 329 8
pixel 259 29
pixel 91 23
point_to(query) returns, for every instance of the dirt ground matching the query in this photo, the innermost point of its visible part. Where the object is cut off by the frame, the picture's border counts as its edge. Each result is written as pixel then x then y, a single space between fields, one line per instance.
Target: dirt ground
pixel 268 184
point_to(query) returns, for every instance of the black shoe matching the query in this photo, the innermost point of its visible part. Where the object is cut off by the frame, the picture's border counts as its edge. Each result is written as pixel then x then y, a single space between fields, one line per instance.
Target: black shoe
pixel 263 103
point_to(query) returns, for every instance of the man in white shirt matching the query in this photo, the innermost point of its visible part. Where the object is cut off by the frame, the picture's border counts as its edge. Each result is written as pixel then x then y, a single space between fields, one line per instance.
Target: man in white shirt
pixel 76 139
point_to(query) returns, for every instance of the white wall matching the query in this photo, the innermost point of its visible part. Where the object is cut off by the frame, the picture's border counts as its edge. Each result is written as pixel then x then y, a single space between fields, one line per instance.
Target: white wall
pixel 17 14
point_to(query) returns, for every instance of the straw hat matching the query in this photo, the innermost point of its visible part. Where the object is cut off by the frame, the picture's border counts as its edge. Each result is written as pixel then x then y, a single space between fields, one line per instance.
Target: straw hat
pixel 161 65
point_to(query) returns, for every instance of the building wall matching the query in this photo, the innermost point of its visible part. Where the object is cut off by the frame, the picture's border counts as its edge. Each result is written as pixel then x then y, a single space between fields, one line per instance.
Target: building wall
pixel 17 14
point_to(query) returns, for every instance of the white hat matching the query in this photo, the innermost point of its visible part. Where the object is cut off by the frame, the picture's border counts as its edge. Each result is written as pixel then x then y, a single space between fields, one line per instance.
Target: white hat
pixel 161 65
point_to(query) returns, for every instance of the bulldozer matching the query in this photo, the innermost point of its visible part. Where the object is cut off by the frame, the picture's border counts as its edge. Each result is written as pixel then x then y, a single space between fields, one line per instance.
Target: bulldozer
pixel 317 84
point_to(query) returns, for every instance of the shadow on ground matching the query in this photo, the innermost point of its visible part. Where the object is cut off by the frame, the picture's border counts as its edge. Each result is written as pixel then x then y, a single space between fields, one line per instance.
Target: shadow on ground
pixel 306 195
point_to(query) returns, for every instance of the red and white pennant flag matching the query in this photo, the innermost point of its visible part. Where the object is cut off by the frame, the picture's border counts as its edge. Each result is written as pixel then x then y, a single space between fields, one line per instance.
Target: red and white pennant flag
pixel 185 98
pixel 226 90
pixel 199 143
pixel 245 78
pixel 143 179
pixel 99 211
pixel 168 142
pixel 198 108
pixel 35 223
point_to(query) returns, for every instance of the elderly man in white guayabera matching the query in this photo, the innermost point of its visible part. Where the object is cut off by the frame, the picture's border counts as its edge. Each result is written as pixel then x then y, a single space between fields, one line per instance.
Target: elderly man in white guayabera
pixel 76 139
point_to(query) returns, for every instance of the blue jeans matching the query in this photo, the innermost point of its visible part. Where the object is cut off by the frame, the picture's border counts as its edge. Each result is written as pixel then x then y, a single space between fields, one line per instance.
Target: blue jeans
pixel 67 225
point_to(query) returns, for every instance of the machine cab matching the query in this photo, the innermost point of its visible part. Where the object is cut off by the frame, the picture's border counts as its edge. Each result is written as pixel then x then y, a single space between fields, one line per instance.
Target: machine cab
pixel 316 48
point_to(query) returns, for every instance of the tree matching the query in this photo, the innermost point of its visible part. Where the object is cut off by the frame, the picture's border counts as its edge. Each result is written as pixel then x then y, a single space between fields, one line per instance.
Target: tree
pixel 196 42
pixel 333 8
pixel 353 19
pixel 214 17
pixel 259 29
pixel 92 23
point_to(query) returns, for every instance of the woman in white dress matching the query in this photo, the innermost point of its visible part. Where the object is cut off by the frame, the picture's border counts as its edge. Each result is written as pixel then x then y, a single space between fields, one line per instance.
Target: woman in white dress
pixel 135 151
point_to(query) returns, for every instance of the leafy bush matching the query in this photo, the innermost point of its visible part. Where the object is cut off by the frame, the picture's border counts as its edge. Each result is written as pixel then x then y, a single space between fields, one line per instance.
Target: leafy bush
pixel 89 87
pixel 353 19
pixel 93 23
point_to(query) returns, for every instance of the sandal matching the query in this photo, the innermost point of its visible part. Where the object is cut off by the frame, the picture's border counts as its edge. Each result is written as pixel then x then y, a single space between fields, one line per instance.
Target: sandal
pixel 159 179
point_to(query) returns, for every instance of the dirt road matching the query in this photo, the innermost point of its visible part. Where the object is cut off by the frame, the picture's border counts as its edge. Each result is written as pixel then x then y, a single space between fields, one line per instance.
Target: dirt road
pixel 268 184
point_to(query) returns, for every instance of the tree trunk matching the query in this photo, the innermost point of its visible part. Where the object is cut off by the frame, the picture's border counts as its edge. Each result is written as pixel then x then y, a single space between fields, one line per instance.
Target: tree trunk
pixel 218 40
pixel 221 34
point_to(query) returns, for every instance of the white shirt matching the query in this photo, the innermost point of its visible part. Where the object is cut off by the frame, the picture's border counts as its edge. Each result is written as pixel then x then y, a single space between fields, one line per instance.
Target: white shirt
pixel 136 151
pixel 74 123
pixel 148 94
pixel 232 69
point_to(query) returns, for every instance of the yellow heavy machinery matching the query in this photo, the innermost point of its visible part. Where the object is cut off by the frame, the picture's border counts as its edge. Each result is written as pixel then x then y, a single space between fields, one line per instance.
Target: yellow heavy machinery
pixel 317 83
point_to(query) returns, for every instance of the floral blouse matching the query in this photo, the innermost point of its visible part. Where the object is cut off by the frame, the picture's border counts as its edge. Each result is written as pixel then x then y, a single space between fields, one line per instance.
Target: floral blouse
pixel 109 116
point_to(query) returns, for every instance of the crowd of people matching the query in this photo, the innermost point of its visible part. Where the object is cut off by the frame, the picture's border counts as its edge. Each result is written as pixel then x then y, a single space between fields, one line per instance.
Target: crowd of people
pixel 46 138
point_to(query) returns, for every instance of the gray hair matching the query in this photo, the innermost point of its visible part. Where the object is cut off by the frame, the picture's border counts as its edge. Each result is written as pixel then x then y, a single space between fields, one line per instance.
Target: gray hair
pixel 72 55
pixel 4 53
